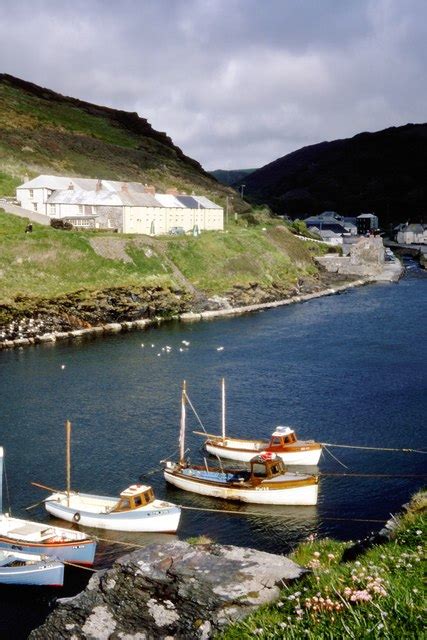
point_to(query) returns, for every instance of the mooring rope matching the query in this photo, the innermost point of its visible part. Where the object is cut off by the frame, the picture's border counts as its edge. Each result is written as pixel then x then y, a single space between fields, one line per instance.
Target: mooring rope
pixel 353 446
pixel 274 515
pixel 335 458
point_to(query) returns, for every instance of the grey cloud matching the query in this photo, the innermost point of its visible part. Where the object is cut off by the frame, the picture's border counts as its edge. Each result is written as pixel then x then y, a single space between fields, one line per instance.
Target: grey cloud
pixel 235 83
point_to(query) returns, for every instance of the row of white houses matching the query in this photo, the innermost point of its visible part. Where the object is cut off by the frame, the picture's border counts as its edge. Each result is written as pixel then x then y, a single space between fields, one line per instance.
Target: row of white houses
pixel 129 207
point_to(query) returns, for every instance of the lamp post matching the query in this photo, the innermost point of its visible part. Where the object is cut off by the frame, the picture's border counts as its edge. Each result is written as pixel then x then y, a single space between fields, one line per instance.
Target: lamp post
pixel 242 187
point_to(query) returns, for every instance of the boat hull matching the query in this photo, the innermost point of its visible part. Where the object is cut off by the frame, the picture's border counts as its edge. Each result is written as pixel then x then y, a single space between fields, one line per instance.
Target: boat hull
pixel 49 574
pixel 309 456
pixel 83 554
pixel 79 551
pixel 303 495
pixel 161 520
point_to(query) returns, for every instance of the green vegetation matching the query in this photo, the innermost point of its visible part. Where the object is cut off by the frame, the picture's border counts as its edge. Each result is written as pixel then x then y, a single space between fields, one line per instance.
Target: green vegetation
pixel 380 595
pixel 51 262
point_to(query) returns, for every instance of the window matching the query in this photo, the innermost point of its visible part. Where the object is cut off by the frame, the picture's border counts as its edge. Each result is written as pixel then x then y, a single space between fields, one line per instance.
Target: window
pixel 80 208
pixel 31 193
pixel 35 206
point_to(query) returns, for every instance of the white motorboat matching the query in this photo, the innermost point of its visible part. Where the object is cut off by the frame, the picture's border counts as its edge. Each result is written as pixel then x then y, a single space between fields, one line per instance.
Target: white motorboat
pixel 42 539
pixel 283 443
pixel 136 509
pixel 29 569
pixel 267 481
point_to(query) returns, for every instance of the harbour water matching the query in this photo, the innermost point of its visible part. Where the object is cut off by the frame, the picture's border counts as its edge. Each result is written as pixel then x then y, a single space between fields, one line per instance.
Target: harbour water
pixel 347 369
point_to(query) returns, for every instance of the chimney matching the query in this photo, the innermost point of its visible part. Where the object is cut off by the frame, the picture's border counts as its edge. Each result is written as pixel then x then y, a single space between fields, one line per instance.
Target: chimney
pixel 26 178
pixel 150 189
pixel 71 187
pixel 98 185
pixel 172 192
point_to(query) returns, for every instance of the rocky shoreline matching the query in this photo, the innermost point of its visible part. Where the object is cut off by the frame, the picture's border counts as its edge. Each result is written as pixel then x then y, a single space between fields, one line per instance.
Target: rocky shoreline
pixel 122 310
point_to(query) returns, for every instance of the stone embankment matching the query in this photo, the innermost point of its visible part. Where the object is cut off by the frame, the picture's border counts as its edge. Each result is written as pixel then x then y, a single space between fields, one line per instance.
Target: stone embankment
pixel 366 259
pixel 119 310
pixel 85 314
pixel 170 591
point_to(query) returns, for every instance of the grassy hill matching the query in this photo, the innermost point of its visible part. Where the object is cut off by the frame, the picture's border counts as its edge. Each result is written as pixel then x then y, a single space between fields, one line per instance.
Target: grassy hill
pixel 383 172
pixel 44 132
pixel 49 263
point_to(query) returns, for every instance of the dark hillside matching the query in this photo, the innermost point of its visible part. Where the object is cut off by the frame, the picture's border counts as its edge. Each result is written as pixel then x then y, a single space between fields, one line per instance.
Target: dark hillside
pixel 382 172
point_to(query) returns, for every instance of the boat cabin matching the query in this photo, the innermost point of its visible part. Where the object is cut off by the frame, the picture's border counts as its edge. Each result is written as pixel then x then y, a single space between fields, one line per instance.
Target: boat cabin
pixel 266 467
pixel 281 438
pixel 134 497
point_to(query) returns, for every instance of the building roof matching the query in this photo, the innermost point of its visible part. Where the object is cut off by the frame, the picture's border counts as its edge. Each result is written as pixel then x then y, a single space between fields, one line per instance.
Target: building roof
pixel 89 184
pixel 367 215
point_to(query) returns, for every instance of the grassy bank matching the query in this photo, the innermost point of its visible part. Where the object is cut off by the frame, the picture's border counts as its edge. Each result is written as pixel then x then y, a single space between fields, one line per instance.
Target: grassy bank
pixel 379 595
pixel 49 262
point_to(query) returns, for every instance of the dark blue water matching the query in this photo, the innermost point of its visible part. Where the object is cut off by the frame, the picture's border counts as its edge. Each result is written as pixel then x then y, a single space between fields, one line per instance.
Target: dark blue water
pixel 344 369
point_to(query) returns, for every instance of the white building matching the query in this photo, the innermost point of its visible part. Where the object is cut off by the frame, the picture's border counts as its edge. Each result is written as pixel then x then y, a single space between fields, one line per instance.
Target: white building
pixel 412 234
pixel 129 207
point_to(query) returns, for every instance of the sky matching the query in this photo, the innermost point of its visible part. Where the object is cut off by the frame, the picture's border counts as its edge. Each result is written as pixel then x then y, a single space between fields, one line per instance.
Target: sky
pixel 235 83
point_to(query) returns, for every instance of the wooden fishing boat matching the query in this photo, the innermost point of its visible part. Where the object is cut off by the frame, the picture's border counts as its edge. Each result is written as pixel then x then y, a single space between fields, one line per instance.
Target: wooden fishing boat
pixel 136 509
pixel 29 569
pixel 283 442
pixel 41 539
pixel 267 481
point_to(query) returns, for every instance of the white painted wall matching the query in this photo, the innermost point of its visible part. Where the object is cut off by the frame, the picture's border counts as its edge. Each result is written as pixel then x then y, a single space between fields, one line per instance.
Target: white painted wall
pixel 34 199
pixel 162 219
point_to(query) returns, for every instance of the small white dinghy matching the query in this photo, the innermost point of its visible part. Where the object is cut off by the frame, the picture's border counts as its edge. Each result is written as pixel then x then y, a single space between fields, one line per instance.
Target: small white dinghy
pixel 283 442
pixel 136 509
pixel 29 569
pixel 41 539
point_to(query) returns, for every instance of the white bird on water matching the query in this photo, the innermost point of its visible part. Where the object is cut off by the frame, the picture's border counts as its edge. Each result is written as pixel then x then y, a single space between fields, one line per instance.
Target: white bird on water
pixel 186 342
pixel 220 348
pixel 62 366
pixel 142 345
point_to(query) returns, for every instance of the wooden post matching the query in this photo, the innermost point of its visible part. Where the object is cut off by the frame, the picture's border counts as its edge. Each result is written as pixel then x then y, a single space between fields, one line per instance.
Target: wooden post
pixel 68 457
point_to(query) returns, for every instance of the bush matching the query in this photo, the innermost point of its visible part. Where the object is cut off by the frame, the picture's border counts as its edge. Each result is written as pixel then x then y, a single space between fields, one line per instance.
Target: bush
pixel 57 223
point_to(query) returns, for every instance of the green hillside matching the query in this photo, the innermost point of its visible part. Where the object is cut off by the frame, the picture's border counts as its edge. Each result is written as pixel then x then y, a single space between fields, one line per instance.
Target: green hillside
pixel 44 132
pixel 49 263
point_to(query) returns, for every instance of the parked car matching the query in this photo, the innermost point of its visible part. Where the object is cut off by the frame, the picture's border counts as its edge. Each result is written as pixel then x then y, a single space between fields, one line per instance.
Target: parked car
pixel 177 231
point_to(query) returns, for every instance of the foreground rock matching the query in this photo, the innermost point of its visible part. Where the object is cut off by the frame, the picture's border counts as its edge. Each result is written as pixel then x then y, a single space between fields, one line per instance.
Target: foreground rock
pixel 170 591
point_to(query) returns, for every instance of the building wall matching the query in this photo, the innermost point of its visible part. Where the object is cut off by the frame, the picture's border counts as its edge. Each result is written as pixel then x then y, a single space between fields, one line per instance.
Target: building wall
pixel 34 199
pixel 160 220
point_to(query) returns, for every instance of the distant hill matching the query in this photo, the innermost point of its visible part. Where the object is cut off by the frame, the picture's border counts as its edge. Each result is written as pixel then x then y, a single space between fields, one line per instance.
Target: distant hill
pixel 230 177
pixel 44 132
pixel 382 172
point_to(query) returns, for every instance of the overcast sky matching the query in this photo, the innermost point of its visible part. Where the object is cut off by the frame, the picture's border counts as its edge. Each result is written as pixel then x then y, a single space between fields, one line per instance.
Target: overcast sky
pixel 235 83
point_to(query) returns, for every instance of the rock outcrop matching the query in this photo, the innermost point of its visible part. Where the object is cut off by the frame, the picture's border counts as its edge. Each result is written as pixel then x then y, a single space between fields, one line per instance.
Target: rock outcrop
pixel 171 591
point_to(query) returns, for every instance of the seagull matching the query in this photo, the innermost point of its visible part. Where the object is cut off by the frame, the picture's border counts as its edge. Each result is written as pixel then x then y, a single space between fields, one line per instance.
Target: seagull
pixel 181 349
pixel 153 345
pixel 220 348
pixel 62 366
pixel 186 342
pixel 142 345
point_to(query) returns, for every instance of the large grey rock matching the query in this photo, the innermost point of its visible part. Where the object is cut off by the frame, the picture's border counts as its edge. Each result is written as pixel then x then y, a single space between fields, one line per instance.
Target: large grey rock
pixel 175 590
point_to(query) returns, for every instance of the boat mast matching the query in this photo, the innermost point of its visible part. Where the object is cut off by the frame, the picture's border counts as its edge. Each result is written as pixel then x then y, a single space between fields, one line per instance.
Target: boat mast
pixel 182 427
pixel 223 408
pixel 68 459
